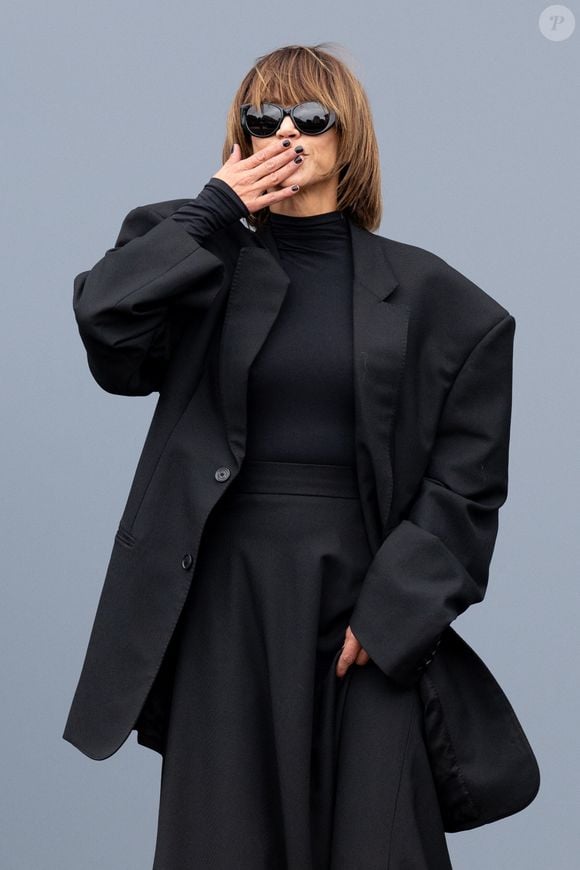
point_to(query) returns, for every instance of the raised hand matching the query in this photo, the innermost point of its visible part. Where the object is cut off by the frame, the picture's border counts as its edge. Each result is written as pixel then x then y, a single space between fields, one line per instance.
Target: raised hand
pixel 253 177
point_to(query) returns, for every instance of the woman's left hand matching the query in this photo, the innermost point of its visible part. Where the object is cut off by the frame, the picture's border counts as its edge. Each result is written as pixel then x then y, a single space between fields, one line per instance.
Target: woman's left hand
pixel 352 653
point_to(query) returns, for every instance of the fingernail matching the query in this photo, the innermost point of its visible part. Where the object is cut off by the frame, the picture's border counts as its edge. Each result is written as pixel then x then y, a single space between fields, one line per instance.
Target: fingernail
pixel 295 187
pixel 286 142
pixel 298 159
pixel 299 148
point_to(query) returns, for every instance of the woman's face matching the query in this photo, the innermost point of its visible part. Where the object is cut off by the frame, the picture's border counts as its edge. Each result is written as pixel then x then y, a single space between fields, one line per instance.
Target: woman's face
pixel 319 156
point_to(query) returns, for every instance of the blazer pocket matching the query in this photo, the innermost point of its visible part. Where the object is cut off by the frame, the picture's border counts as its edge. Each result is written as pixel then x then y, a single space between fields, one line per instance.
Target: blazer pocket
pixel 125 537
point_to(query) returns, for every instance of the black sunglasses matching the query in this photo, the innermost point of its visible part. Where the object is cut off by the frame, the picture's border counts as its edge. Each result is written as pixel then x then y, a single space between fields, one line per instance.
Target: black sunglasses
pixel 311 118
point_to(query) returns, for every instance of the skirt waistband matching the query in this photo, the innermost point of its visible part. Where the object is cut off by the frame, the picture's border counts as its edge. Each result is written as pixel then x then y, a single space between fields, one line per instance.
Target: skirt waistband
pixel 296 477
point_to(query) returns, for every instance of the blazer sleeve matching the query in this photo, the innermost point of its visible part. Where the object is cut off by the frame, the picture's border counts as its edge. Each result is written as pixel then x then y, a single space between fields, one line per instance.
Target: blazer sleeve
pixel 435 562
pixel 131 306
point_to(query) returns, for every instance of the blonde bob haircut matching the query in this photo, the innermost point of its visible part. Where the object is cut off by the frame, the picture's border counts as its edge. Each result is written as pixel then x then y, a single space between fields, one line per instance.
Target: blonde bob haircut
pixel 296 73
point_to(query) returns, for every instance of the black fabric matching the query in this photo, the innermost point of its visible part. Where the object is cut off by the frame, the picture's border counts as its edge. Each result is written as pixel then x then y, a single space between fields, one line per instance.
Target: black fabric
pixel 271 760
pixel 215 206
pixel 300 388
pixel 433 386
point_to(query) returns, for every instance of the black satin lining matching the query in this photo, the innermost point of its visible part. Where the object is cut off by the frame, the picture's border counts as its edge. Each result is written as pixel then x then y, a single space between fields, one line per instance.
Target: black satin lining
pixel 456 801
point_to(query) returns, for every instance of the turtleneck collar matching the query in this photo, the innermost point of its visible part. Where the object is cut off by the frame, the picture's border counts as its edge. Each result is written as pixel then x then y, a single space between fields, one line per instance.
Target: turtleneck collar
pixel 310 236
pixel 308 221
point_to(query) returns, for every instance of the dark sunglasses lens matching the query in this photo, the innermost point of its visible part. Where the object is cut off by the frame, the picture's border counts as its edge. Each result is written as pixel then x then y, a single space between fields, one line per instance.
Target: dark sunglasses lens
pixel 263 120
pixel 311 118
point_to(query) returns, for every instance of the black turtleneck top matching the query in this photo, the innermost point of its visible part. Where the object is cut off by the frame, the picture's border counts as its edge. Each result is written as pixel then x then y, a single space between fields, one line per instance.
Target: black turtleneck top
pixel 300 386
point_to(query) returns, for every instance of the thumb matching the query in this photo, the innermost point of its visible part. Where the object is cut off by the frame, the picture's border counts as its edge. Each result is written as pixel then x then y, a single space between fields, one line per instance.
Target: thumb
pixel 235 153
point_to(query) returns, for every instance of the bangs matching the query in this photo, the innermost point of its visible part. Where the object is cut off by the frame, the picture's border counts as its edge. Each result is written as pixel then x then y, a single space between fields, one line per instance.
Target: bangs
pixel 291 78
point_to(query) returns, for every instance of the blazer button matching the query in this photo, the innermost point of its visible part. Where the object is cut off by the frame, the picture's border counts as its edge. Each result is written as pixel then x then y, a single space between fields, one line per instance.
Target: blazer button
pixel 222 473
pixel 187 561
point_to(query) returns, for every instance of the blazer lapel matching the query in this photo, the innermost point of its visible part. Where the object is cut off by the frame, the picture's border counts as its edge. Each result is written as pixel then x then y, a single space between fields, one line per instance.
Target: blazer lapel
pixel 380 324
pixel 257 290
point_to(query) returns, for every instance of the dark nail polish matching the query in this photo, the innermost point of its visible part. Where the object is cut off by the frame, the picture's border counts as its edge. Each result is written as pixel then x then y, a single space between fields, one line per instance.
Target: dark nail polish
pixel 295 187
pixel 298 159
pixel 286 142
pixel 299 148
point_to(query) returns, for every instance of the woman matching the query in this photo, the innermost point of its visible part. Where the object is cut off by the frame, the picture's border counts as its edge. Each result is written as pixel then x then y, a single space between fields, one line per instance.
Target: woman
pixel 331 445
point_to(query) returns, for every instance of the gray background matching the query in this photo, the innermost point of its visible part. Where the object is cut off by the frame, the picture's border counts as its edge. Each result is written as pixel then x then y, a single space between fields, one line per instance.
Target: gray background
pixel 477 118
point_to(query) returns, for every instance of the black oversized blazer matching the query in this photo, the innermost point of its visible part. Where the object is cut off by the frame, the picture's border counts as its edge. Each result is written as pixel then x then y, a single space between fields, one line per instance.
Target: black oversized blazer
pixel 432 374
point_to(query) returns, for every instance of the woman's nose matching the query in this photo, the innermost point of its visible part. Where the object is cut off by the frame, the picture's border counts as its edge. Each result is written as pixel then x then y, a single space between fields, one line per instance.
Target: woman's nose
pixel 287 129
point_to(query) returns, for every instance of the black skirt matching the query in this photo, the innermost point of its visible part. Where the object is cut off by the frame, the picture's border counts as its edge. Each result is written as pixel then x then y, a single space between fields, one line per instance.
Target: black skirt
pixel 271 761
